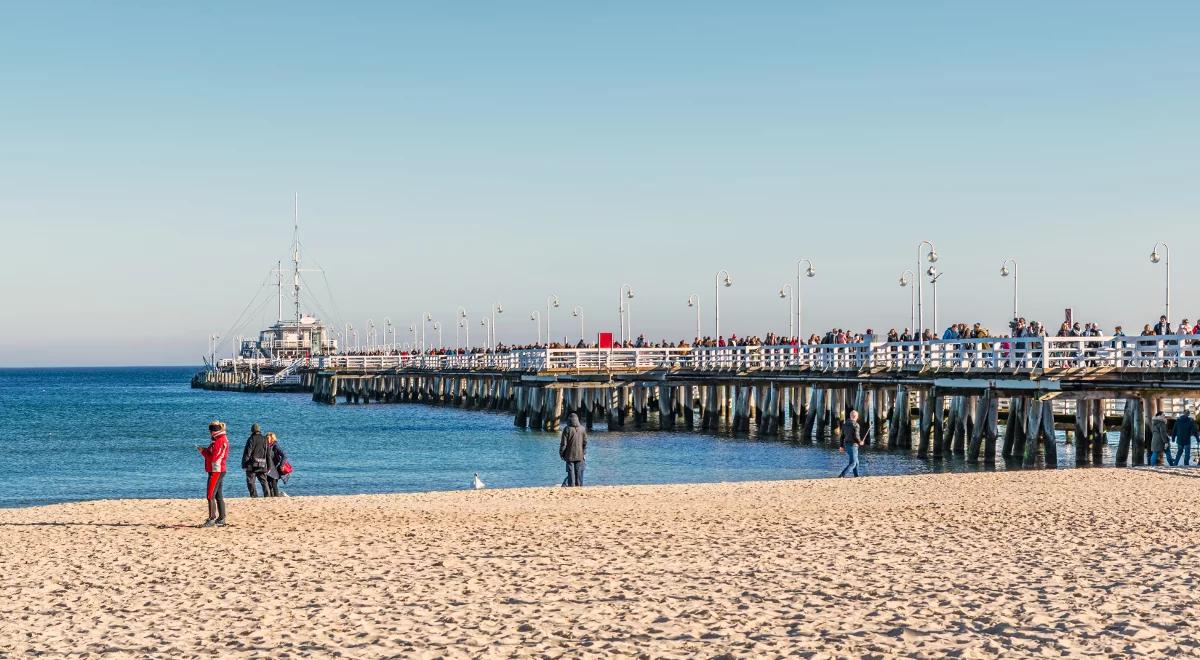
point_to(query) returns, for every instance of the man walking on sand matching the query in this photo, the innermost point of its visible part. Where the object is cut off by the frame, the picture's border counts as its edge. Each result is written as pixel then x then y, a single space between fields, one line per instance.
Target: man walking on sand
pixel 851 441
pixel 256 461
pixel 1185 430
pixel 571 449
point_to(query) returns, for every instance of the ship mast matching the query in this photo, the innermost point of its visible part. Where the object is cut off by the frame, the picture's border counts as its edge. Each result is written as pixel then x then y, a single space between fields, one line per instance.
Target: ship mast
pixel 279 292
pixel 296 260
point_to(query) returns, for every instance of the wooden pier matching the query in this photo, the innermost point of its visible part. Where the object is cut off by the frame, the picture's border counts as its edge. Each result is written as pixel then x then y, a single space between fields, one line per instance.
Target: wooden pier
pixel 940 398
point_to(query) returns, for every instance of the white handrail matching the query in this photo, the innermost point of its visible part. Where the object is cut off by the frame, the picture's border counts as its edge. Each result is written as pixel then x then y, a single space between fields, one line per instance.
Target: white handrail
pixel 995 353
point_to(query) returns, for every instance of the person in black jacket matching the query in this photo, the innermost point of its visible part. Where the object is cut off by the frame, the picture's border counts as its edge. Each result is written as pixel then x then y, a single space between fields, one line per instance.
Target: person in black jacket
pixel 278 458
pixel 256 461
pixel 571 449
pixel 1185 430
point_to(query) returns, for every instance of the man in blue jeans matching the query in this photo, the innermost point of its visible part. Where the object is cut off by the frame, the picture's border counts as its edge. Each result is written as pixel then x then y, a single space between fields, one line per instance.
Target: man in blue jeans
pixel 851 441
pixel 571 448
pixel 1185 430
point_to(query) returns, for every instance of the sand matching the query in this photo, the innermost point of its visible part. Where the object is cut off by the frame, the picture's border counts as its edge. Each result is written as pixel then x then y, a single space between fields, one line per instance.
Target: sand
pixel 1067 563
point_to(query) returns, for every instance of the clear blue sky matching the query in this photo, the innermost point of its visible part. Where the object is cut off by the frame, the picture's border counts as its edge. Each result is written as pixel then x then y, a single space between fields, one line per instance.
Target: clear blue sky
pixel 458 154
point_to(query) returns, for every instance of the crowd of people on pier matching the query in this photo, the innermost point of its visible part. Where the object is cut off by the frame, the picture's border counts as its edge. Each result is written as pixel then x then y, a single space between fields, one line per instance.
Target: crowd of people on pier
pixel 844 348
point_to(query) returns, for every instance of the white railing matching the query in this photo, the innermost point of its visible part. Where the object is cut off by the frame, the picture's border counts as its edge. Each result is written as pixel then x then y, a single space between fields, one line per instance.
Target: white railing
pixel 288 372
pixel 1025 353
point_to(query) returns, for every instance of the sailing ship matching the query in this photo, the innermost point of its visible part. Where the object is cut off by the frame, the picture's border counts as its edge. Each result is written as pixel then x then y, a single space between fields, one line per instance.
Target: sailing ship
pixel 278 351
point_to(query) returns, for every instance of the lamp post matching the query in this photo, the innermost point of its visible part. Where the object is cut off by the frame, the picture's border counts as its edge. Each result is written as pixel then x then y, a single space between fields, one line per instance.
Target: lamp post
pixel 371 336
pixel 465 325
pixel 412 330
pixel 437 325
pixel 578 312
pixel 349 329
pixel 717 299
pixel 1154 258
pixel 623 314
pixel 933 257
pixel 694 301
pixel 212 348
pixel 388 329
pixel 488 332
pixel 1016 277
pixel 537 322
pixel 934 276
pixel 496 309
pixel 906 278
pixel 354 333
pixel 551 301
pixel 788 293
pixel 425 318
pixel 810 271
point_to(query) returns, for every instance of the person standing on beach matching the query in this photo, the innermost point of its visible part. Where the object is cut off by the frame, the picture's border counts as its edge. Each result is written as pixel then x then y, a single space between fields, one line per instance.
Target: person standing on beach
pixel 256 461
pixel 571 448
pixel 851 441
pixel 277 471
pixel 1185 430
pixel 1158 437
pixel 214 464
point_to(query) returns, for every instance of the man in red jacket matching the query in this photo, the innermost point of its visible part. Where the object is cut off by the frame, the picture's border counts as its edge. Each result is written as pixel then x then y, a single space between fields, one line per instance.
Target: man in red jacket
pixel 214 464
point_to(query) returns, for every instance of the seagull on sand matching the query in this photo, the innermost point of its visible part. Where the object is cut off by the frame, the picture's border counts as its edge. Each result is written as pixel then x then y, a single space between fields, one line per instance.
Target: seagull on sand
pixel 477 483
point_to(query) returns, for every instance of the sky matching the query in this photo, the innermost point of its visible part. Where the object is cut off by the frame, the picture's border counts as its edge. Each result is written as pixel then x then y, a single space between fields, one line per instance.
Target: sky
pixel 463 154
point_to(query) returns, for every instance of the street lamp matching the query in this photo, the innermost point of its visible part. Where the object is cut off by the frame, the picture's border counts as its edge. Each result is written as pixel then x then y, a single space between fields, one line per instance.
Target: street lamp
pixel 1154 258
pixel 717 299
pixel 624 314
pixel 437 325
pixel 425 318
pixel 933 257
pixel 496 309
pixel 537 322
pixel 787 293
pixel 934 276
pixel 1016 275
pixel 350 333
pixel 371 336
pixel 551 301
pixel 465 325
pixel 412 329
pixel 212 348
pixel 578 311
pixel 484 322
pixel 387 328
pixel 694 301
pixel 906 278
pixel 810 271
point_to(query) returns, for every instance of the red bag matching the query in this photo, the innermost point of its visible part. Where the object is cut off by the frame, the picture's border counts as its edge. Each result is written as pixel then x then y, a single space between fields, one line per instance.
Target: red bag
pixel 286 468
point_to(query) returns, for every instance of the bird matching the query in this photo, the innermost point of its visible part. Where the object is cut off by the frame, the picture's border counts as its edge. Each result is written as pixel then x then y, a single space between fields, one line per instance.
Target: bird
pixel 478 483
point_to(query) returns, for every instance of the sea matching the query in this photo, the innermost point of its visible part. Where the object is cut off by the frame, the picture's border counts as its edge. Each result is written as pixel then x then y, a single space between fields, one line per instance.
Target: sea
pixel 113 433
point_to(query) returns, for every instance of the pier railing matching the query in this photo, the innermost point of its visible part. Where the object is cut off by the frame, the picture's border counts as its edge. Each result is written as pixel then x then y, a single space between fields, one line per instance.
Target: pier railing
pixel 1020 353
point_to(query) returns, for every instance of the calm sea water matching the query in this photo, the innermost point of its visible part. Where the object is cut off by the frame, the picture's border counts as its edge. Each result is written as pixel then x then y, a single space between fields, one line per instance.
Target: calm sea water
pixel 82 434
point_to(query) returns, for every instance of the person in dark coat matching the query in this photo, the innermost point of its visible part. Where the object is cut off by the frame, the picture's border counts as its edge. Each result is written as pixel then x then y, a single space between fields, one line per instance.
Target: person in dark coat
pixel 256 461
pixel 851 441
pixel 571 448
pixel 278 458
pixel 1185 430
pixel 1159 440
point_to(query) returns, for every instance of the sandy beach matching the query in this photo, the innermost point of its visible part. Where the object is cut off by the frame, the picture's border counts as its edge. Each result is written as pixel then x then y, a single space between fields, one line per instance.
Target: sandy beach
pixel 1060 563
